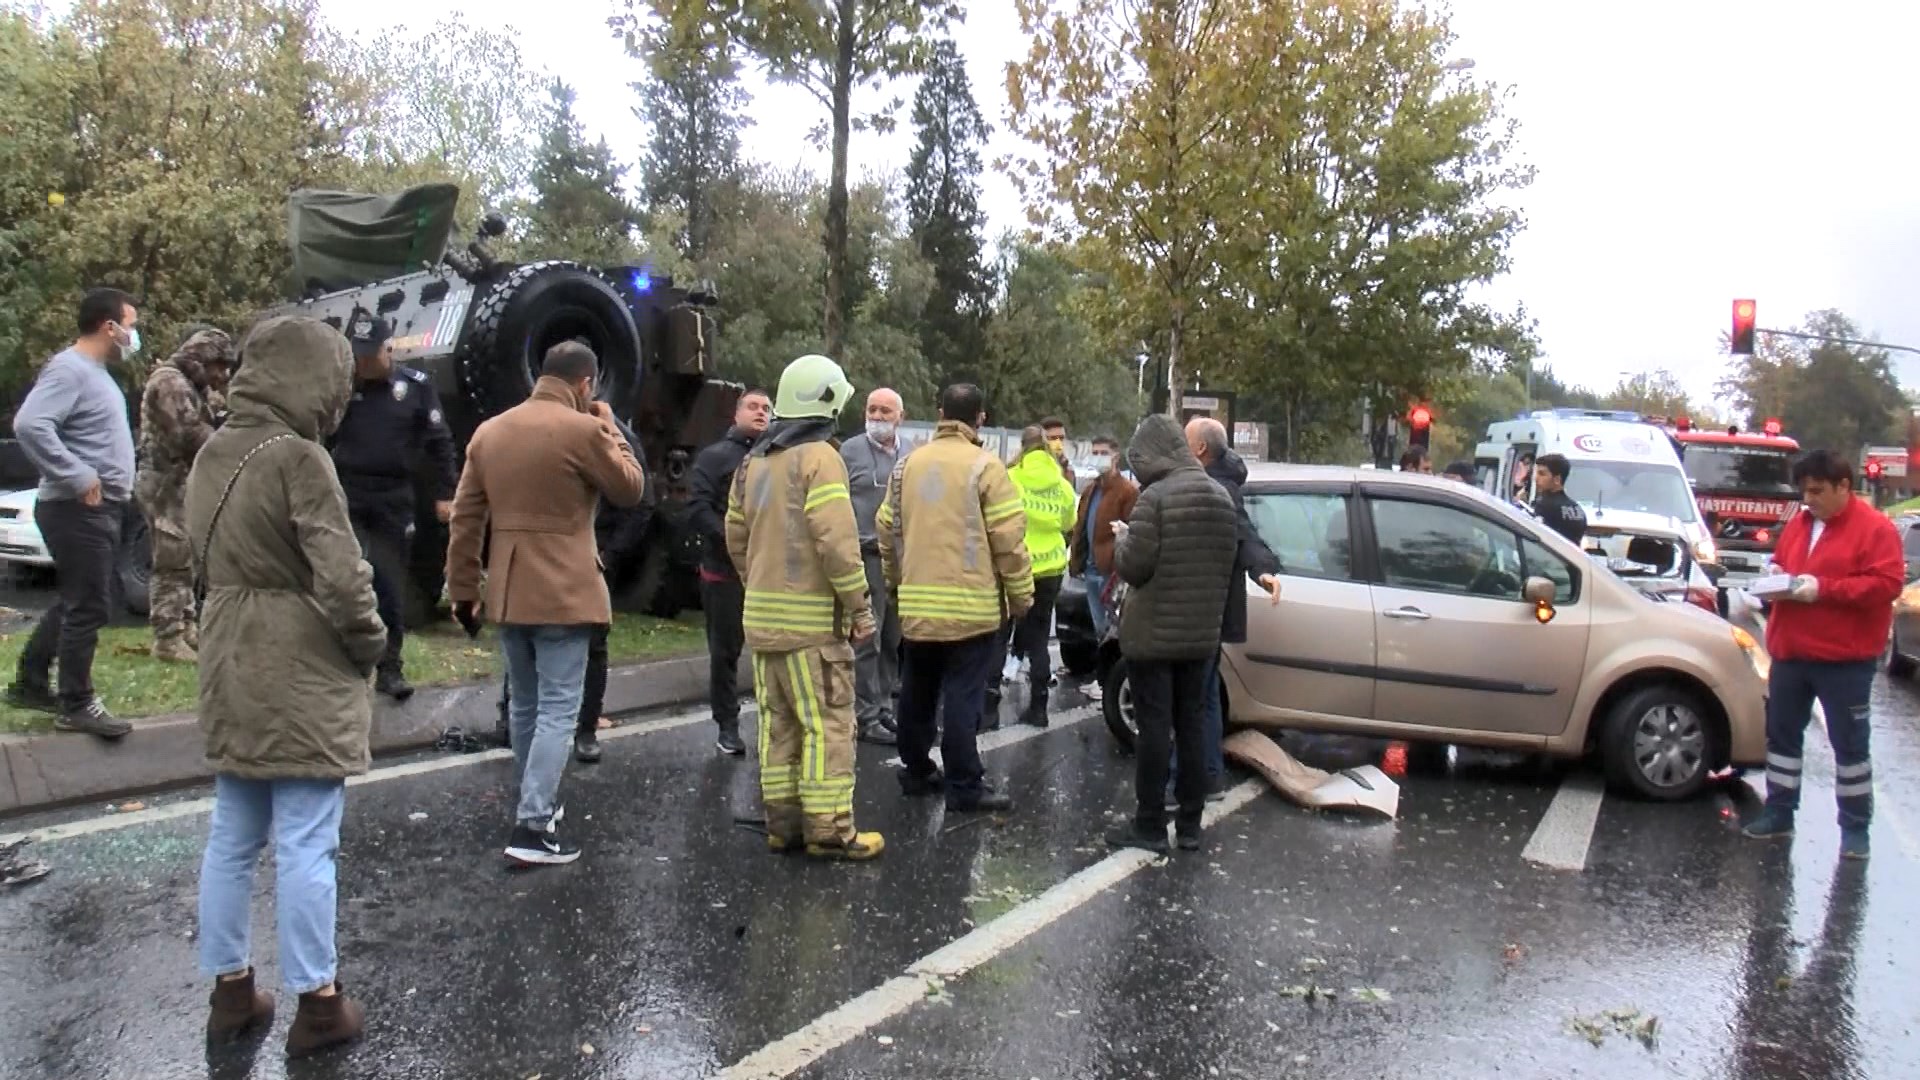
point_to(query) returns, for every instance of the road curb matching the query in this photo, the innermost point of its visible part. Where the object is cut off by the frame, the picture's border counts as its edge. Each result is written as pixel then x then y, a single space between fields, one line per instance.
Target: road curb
pixel 56 769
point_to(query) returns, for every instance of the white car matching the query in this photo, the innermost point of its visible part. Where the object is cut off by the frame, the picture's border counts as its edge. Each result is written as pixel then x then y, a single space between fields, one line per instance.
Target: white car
pixel 20 540
pixel 21 545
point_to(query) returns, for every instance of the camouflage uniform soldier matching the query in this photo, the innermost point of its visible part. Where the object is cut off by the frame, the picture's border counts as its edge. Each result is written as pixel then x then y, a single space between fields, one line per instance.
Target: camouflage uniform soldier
pixel 175 421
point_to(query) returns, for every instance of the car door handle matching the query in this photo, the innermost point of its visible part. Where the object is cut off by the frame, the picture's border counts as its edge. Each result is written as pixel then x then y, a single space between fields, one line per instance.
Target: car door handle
pixel 1412 613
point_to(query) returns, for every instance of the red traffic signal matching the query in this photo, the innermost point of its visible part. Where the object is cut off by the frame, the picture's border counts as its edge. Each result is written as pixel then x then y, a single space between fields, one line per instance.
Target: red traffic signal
pixel 1420 425
pixel 1873 470
pixel 1744 312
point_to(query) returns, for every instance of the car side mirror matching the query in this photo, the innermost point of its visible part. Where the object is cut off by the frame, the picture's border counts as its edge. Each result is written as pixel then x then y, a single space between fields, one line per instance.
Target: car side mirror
pixel 1539 591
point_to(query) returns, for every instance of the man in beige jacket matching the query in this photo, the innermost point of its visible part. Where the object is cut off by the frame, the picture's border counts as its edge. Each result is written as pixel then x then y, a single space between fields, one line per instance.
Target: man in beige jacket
pixel 532 478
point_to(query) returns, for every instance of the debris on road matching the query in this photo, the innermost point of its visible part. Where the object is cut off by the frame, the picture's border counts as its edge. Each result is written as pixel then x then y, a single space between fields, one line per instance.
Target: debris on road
pixel 1364 788
pixel 15 870
pixel 1630 1023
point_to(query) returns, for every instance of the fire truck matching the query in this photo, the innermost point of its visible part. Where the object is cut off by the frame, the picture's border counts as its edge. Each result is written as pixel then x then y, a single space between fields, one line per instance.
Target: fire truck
pixel 1744 485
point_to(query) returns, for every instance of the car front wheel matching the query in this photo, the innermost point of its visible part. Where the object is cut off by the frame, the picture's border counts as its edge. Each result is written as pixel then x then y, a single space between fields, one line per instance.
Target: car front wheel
pixel 1116 704
pixel 1657 743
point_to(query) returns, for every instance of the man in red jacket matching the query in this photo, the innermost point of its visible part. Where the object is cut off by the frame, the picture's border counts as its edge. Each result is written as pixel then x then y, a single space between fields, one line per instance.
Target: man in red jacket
pixel 1824 637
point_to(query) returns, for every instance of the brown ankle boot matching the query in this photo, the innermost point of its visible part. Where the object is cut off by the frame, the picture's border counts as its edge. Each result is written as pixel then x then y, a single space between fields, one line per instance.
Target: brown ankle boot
pixel 237 1008
pixel 325 1021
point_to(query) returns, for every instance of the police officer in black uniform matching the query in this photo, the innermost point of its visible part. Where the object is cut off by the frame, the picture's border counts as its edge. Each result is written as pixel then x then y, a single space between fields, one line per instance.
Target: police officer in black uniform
pixel 393 417
pixel 1552 503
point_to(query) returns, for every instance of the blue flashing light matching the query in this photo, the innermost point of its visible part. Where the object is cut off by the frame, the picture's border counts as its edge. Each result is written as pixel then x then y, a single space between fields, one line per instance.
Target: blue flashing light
pixel 640 281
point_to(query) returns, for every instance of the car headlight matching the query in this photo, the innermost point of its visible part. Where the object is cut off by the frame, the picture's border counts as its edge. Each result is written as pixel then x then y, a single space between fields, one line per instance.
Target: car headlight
pixel 1756 653
pixel 1705 551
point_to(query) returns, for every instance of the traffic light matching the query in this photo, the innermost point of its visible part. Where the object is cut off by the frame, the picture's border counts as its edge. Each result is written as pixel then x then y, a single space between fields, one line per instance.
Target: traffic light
pixel 1420 426
pixel 1743 316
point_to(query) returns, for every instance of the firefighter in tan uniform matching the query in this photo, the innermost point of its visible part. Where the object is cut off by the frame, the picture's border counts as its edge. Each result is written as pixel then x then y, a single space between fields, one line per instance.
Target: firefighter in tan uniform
pixel 953 547
pixel 791 533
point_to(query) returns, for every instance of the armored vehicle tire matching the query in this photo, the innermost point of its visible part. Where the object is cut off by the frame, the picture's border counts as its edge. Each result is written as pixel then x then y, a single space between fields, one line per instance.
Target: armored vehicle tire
pixel 534 308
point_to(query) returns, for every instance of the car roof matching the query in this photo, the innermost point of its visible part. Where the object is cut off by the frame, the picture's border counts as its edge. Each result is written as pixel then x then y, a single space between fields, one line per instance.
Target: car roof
pixel 1271 471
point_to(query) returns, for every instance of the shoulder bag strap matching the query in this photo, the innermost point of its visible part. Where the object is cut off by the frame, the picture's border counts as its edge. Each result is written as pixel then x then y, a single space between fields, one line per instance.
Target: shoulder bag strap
pixel 200 559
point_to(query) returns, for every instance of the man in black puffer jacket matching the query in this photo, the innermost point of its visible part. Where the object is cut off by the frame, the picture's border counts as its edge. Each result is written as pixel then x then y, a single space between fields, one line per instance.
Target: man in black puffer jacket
pixel 1207 438
pixel 1176 553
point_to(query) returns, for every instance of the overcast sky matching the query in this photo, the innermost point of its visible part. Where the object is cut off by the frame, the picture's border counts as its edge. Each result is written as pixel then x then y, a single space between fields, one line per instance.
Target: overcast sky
pixel 1688 152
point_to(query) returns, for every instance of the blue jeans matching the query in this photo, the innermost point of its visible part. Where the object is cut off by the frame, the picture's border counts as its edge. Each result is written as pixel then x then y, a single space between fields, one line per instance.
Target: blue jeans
pixel 1096 604
pixel 1843 690
pixel 1211 729
pixel 304 819
pixel 546 672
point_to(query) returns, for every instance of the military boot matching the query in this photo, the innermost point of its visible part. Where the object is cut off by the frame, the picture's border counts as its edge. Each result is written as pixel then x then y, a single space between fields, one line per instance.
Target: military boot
pixel 389 681
pixel 175 649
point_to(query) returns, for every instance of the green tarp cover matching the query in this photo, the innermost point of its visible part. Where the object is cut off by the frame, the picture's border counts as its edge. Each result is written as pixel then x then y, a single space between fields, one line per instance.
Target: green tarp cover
pixel 342 239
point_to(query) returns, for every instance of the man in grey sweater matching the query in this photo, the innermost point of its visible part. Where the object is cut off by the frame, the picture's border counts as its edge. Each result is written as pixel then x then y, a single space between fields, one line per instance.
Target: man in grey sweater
pixel 73 427
pixel 871 457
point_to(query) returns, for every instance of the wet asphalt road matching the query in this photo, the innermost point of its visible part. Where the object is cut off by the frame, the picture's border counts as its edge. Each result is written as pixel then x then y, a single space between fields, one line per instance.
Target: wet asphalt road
pixel 677 947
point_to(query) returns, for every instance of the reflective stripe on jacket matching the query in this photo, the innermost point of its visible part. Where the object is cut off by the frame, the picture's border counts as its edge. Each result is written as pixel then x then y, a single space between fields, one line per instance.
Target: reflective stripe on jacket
pixel 1050 505
pixel 953 539
pixel 791 533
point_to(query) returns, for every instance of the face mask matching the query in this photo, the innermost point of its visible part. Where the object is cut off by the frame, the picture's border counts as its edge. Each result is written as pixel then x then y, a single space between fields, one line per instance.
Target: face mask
pixel 132 344
pixel 881 430
pixel 1100 463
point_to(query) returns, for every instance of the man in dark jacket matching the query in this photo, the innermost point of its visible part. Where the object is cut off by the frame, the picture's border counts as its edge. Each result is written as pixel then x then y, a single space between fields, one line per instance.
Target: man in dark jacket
pixel 1176 553
pixel 721 594
pixel 1207 438
pixel 1555 507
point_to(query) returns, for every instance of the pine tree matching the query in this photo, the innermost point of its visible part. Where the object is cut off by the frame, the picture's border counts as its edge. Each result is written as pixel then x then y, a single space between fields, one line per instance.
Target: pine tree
pixel 578 210
pixel 944 218
pixel 693 101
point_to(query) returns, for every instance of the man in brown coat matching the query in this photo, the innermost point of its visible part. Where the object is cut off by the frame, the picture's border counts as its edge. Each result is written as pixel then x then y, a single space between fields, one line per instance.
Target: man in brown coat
pixel 532 478
pixel 1107 500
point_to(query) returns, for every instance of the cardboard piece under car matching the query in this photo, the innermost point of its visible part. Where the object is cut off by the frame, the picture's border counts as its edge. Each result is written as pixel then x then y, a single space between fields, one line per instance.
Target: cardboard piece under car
pixel 1364 788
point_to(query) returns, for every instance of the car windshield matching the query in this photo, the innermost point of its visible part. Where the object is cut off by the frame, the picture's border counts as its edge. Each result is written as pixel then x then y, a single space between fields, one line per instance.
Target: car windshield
pixel 1627 485
pixel 1754 470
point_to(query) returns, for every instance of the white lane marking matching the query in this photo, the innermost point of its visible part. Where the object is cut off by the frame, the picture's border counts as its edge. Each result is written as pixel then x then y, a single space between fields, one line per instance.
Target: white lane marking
pixel 836 1028
pixel 1017 733
pixel 190 807
pixel 1565 831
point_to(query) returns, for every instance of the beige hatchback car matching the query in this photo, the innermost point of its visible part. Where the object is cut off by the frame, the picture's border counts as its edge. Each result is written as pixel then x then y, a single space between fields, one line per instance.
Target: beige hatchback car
pixel 1418 608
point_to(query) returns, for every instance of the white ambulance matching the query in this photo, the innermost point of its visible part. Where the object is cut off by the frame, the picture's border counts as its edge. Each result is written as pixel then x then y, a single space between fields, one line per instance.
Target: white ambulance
pixel 1625 474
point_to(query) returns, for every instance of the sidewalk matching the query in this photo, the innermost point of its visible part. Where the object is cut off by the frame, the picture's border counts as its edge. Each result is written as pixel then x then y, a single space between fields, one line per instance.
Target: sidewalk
pixel 49 770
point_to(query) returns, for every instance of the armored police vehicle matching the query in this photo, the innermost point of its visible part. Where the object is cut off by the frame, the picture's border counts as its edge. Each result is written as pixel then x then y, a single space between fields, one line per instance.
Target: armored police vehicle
pixel 479 327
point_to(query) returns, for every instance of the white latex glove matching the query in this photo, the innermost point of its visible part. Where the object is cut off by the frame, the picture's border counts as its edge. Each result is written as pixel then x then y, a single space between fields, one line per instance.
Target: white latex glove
pixel 1806 589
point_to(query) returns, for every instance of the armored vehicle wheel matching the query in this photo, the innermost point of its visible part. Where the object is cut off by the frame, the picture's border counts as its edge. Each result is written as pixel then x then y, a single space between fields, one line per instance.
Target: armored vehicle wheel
pixel 534 308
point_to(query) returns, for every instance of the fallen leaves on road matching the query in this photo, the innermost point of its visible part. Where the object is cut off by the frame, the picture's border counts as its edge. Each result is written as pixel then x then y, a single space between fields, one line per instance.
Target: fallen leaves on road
pixel 1370 995
pixel 937 993
pixel 1512 953
pixel 1630 1023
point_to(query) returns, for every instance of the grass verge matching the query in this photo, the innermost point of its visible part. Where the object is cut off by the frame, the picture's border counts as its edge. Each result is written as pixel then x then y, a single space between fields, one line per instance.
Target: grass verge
pixel 134 684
